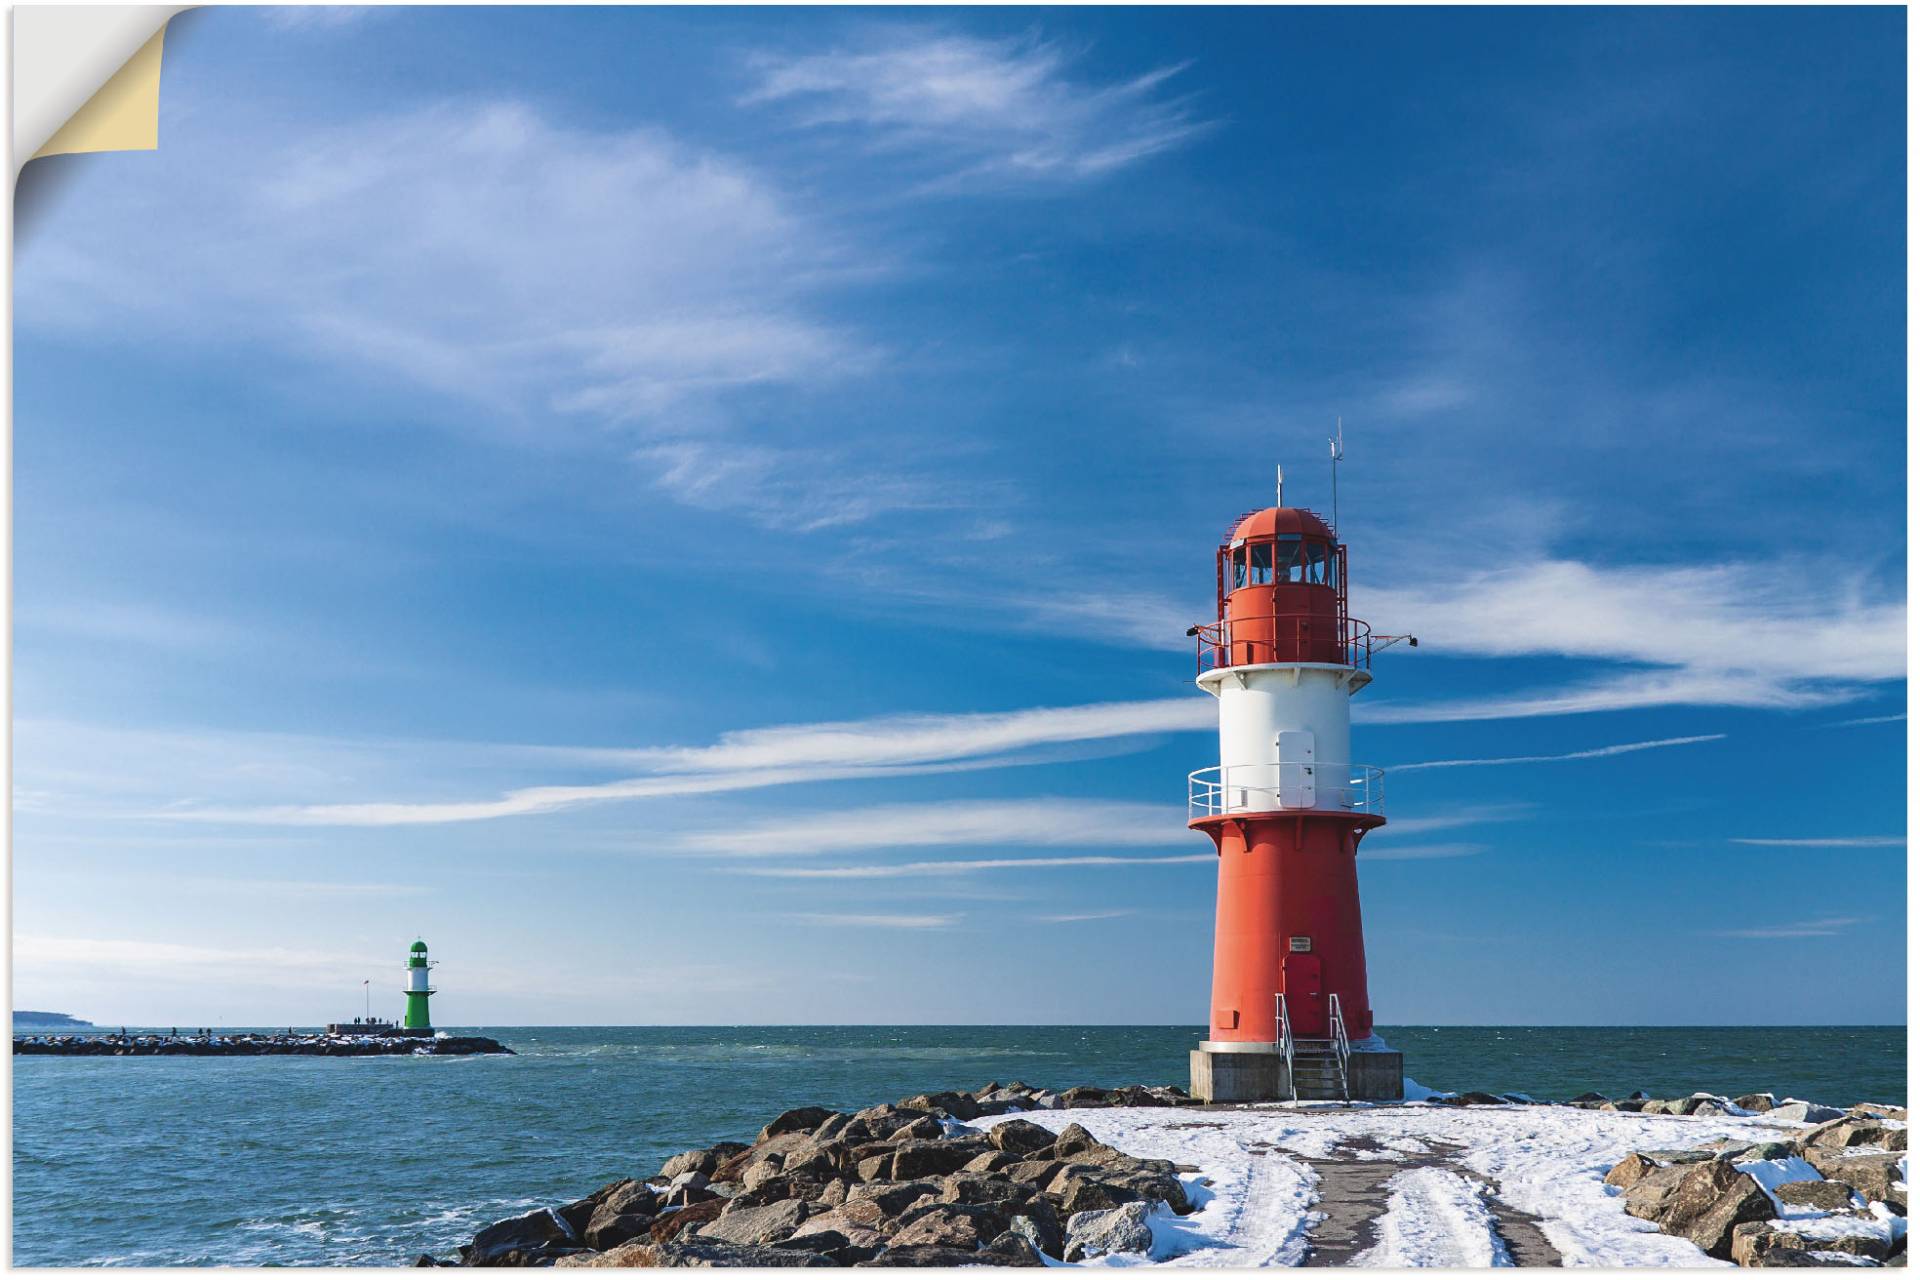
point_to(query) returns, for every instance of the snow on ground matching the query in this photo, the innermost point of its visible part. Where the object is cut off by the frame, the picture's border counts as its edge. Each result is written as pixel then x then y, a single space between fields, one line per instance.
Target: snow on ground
pixel 1436 1218
pixel 1545 1161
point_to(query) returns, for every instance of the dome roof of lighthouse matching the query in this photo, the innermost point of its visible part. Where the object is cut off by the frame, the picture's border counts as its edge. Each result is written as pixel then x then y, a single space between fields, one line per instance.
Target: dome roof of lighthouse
pixel 1297 521
pixel 418 946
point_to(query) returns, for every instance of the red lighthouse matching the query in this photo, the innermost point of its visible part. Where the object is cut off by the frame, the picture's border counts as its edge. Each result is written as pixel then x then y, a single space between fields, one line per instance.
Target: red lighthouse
pixel 1287 807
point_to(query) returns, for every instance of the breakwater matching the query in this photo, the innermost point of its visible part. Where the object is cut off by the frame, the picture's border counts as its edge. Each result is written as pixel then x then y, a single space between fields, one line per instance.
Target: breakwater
pixel 253 1045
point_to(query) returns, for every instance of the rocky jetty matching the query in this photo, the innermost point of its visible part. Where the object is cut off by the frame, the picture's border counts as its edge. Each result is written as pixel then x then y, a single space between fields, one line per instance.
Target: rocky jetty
pixel 901 1184
pixel 250 1045
pixel 1834 1194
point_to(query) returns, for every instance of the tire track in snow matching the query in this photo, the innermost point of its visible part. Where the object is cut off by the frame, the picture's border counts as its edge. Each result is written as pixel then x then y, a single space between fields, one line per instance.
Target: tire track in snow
pixel 1435 1217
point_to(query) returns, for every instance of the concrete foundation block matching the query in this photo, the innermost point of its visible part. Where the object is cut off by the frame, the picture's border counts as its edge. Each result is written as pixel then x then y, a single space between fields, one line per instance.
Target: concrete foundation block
pixel 1262 1077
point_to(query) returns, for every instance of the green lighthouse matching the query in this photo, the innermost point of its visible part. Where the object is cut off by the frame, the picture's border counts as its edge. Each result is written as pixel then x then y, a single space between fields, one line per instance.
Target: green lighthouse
pixel 417 1018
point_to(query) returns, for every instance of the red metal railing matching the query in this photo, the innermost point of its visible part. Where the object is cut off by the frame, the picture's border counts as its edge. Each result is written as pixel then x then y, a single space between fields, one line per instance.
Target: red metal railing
pixel 1283 637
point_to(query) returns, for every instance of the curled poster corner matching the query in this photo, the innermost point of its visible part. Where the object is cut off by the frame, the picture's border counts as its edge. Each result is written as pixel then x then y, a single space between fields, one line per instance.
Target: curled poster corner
pixel 87 78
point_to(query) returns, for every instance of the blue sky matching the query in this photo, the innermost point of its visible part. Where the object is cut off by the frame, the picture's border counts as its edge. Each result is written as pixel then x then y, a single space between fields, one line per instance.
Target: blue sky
pixel 695 512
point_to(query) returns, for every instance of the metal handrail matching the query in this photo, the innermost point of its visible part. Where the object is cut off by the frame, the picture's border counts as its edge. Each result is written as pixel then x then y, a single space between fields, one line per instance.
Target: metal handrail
pixel 1337 1028
pixel 1238 788
pixel 1215 645
pixel 1284 1034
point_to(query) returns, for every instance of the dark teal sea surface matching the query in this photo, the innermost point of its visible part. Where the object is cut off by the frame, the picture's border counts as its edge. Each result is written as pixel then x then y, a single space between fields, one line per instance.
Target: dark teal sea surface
pixel 288 1160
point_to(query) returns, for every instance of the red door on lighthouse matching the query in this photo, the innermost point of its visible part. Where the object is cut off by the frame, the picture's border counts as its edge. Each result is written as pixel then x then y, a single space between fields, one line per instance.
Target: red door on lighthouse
pixel 1306 1003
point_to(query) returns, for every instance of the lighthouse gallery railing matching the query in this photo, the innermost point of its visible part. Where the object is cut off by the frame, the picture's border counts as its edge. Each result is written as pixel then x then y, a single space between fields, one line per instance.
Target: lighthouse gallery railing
pixel 1262 788
pixel 1281 637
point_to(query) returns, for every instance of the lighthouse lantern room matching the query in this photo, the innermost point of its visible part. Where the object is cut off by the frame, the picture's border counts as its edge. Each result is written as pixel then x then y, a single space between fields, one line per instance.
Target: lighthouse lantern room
pixel 1287 807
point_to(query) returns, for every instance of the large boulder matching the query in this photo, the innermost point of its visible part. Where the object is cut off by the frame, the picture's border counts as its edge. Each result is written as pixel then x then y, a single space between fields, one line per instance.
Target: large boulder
pixel 1704 1204
pixel 1074 1142
pixel 923 1129
pixel 1832 1197
pixel 756 1224
pixel 699 1253
pixel 606 1230
pixel 735 1166
pixel 1761 1244
pixel 1083 1095
pixel 1756 1102
pixel 702 1161
pixel 991 1162
pixel 1108 1231
pixel 891 1197
pixel 1039 1172
pixel 522 1241
pixel 1857 1131
pixel 842 1249
pixel 1630 1171
pixel 670 1226
pixel 933 1159
pixel 1022 1137
pixel 688 1188
pixel 950 1225
pixel 957 1105
pixel 1875 1175
pixel 926 1255
pixel 1041 1226
pixel 973 1188
pixel 796 1120
pixel 1795 1111
pixel 1011 1249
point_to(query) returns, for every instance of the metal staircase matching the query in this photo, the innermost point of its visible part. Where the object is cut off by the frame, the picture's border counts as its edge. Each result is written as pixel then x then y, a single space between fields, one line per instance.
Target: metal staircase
pixel 1317 1070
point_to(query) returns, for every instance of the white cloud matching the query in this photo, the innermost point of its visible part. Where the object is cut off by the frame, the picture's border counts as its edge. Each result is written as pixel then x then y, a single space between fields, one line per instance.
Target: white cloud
pixel 1826 927
pixel 1592 753
pixel 1866 720
pixel 1749 635
pixel 1824 842
pixel 878 921
pixel 756 758
pixel 1469 816
pixel 992 111
pixel 545 281
pixel 968 866
pixel 1082 917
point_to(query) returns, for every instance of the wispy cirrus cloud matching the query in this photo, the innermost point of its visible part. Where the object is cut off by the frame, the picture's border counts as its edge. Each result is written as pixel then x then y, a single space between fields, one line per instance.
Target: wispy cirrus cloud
pixel 1824 927
pixel 1822 842
pixel 1867 720
pixel 1591 753
pixel 1734 634
pixel 547 283
pixel 987 111
pixel 1085 917
pixel 858 921
pixel 756 758
pixel 967 866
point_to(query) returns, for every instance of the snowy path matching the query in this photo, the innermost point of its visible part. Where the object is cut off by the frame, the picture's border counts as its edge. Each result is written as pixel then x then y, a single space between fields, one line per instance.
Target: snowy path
pixel 1261 1206
pixel 1436 1218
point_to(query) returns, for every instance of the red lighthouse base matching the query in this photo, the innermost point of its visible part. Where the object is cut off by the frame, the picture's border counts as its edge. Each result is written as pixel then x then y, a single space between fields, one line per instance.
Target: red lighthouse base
pixel 1287 924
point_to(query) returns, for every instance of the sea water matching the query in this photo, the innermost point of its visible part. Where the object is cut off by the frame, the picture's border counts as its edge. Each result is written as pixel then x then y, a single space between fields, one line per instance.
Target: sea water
pixel 297 1160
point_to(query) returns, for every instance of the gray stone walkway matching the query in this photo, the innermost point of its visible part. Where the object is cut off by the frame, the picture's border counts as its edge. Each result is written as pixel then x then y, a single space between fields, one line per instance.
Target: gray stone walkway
pixel 1353 1196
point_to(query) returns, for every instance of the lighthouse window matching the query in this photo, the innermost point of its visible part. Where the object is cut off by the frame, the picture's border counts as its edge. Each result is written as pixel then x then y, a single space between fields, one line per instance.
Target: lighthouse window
pixel 1239 568
pixel 1319 560
pixel 1286 560
pixel 1262 554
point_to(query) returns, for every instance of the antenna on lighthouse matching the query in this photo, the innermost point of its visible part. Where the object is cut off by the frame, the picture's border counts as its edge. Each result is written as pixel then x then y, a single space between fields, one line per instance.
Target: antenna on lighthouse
pixel 1337 450
pixel 1279 486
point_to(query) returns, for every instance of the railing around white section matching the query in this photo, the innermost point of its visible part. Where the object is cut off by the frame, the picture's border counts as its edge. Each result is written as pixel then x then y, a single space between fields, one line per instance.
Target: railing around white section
pixel 1264 788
